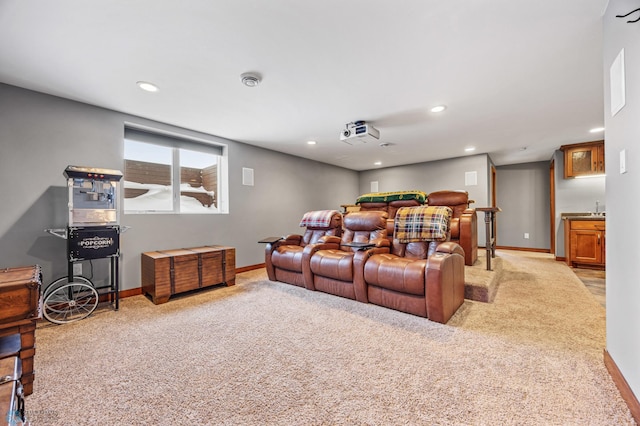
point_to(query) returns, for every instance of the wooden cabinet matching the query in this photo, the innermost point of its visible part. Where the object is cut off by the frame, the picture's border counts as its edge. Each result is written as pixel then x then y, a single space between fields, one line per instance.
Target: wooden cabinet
pixel 583 159
pixel 169 272
pixel 585 242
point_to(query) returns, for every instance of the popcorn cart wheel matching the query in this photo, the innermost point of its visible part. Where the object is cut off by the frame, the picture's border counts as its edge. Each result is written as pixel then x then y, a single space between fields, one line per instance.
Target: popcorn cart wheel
pixel 67 300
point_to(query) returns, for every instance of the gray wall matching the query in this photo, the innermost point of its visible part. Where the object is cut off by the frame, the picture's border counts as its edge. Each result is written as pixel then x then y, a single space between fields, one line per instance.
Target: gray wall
pixel 40 135
pixel 623 250
pixel 435 176
pixel 575 196
pixel 523 195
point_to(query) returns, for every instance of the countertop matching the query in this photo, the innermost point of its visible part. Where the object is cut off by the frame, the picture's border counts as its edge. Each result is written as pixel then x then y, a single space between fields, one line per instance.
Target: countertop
pixel 583 216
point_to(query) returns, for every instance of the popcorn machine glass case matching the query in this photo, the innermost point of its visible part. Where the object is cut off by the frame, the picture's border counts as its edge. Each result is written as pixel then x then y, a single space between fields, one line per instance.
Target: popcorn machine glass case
pixel 93 196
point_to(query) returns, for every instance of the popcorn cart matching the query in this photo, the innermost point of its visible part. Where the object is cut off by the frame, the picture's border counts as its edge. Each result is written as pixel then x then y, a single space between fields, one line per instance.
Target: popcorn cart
pixel 93 232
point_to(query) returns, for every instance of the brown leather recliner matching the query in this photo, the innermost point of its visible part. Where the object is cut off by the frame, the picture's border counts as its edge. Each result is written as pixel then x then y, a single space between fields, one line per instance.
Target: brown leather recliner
pixel 421 278
pixel 464 223
pixel 283 259
pixel 331 266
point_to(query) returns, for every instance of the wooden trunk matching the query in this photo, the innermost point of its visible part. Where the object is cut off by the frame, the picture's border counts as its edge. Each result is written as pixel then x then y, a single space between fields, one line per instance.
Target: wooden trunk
pixel 20 293
pixel 20 308
pixel 169 272
pixel 11 392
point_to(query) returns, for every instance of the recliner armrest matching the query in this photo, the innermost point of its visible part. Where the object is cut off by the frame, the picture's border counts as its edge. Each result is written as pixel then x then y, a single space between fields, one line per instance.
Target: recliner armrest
pixel 330 239
pixel 444 282
pixel 330 243
pixel 382 242
pixel 450 248
pixel 469 235
pixel 291 239
pixel 359 259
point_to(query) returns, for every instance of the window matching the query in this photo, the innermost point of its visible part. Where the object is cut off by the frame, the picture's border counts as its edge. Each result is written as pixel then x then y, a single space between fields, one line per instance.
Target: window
pixel 167 174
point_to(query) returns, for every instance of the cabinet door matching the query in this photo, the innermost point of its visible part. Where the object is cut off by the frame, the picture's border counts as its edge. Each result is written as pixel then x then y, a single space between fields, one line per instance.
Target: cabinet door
pixel 581 161
pixel 586 246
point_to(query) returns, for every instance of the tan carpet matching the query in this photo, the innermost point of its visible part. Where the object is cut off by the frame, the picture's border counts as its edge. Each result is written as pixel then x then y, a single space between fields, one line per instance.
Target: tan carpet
pixel 262 353
pixel 481 284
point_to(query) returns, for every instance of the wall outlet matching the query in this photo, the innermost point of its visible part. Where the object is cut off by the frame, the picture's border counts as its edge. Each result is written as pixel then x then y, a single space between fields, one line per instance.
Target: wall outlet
pixel 526 235
pixel 77 269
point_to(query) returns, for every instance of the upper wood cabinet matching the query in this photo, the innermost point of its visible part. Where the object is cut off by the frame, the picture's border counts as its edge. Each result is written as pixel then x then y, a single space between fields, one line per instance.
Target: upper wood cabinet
pixel 583 159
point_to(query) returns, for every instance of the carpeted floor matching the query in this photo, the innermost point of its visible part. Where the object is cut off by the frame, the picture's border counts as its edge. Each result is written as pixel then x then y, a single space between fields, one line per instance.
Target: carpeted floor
pixel 482 284
pixel 263 353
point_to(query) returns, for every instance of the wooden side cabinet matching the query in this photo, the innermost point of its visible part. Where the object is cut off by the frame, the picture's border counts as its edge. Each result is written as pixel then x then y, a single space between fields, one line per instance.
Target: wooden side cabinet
pixel 585 243
pixel 583 159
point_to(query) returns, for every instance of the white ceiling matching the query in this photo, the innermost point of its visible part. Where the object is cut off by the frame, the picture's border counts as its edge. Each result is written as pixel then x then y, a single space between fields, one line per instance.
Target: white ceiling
pixel 513 74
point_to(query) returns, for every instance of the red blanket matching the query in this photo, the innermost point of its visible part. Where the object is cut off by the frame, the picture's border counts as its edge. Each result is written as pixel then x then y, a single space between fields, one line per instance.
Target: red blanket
pixel 318 218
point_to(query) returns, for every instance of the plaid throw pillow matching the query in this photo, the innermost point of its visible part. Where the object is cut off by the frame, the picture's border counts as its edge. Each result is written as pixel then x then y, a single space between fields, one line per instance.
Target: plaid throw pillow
pixel 422 223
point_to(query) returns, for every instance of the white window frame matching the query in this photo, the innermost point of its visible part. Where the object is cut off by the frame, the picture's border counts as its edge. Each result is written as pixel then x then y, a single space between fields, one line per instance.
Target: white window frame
pixel 222 195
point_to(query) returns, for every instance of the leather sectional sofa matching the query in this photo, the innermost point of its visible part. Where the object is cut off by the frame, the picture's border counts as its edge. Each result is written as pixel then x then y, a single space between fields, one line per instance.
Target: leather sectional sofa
pixel 366 263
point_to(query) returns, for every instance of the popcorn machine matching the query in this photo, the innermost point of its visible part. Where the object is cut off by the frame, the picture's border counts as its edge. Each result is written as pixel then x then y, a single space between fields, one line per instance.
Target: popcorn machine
pixel 93 232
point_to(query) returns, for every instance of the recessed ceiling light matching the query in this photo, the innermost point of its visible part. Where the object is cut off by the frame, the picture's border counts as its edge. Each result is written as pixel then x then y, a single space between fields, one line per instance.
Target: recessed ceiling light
pixel 311 142
pixel 149 87
pixel 470 149
pixel 438 108
pixel 250 79
pixel 597 129
pixel 377 163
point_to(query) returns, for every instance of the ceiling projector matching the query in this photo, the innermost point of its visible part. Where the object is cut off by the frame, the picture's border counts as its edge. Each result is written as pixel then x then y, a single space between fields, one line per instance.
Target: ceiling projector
pixel 359 131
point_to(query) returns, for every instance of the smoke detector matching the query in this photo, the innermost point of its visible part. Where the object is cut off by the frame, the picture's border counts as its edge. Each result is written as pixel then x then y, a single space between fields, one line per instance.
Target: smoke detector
pixel 250 79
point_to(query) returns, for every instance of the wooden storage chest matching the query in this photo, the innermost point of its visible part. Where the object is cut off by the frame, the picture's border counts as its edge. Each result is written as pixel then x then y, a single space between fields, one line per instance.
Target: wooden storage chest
pixel 20 308
pixel 169 272
pixel 20 293
pixel 11 392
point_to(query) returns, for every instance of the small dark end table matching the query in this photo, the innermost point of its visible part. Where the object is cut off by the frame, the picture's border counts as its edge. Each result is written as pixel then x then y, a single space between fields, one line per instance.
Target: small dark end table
pixel 490 224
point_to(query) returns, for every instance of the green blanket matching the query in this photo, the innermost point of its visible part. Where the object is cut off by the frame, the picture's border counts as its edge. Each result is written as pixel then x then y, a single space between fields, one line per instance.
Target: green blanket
pixel 385 197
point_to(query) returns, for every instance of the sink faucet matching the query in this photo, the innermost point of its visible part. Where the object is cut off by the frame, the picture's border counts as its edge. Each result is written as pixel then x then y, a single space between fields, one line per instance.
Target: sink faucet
pixel 597 206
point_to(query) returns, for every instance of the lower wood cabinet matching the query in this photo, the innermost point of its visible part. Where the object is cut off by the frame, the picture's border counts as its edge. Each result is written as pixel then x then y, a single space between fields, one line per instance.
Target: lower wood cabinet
pixel 169 272
pixel 585 242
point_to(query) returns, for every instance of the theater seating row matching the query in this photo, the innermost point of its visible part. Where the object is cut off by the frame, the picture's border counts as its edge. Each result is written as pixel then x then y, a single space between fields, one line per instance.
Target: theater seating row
pixel 360 257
